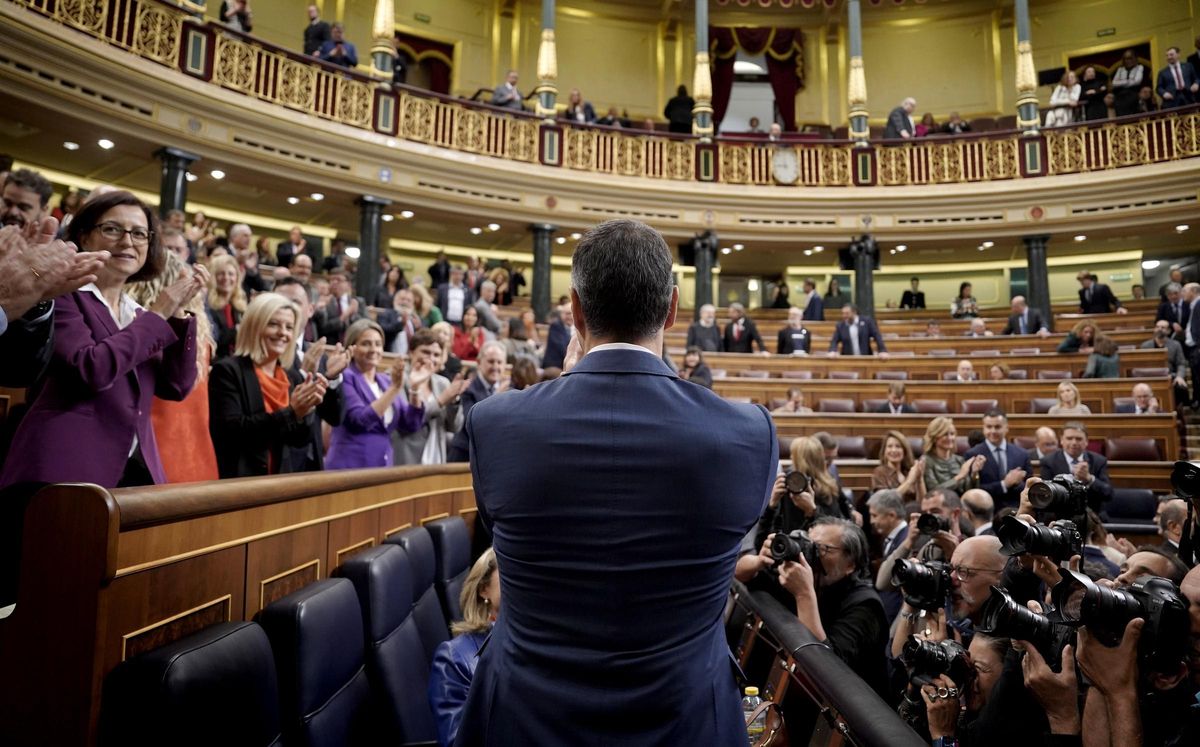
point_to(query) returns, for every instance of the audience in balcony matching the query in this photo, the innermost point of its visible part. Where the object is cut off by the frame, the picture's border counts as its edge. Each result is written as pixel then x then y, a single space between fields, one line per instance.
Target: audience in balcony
pixel 506 94
pixel 1081 338
pixel 1096 297
pixel 956 125
pixel 927 126
pixel 794 339
pixel 795 404
pixel 853 335
pixel 614 119
pixel 1128 81
pixel 944 467
pixel 316 33
pixel 964 306
pixel 1104 361
pixel 913 298
pixel 1094 87
pixel 1110 106
pixel 835 297
pixel 236 15
pixel 678 111
pixel 226 304
pixel 1063 101
pixel 288 250
pixel 1145 101
pixel 1177 83
pixel 336 50
pixel 899 122
pixel 897 469
pixel 694 369
pixel 579 111
pixel 741 334
pixel 1024 320
pixel 1068 401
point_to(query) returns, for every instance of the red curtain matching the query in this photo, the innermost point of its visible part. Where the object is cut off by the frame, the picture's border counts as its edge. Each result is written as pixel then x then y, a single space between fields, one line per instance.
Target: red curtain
pixel 436 57
pixel 784 52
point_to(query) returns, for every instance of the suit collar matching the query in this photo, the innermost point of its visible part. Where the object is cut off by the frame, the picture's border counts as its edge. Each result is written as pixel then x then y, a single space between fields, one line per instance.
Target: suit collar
pixel 621 361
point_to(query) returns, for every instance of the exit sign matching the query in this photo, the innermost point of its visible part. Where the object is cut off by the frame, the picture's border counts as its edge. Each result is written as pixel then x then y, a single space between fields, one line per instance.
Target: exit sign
pixel 1106 32
pixel 423 18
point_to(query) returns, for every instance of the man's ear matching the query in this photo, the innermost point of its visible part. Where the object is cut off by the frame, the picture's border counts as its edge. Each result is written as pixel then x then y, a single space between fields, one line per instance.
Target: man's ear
pixel 1167 681
pixel 579 322
pixel 674 310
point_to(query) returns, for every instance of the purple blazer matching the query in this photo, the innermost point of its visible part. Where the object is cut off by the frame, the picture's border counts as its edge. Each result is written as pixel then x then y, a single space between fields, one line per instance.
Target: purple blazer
pixel 97 393
pixel 362 440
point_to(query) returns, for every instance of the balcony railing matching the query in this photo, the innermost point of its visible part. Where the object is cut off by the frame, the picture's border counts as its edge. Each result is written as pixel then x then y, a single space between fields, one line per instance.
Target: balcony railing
pixel 167 35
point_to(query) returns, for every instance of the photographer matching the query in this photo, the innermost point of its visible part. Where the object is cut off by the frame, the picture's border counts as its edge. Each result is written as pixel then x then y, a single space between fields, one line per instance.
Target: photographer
pixel 1087 467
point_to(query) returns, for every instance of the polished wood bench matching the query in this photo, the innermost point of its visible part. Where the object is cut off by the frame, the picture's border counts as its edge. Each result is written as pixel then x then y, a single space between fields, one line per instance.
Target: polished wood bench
pixel 107 574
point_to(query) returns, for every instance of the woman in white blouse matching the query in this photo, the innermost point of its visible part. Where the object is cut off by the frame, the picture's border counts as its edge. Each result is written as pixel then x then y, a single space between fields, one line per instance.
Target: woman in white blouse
pixel 1063 101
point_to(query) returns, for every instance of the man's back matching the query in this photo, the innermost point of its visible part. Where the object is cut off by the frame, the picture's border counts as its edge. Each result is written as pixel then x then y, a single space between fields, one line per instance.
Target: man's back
pixel 617 497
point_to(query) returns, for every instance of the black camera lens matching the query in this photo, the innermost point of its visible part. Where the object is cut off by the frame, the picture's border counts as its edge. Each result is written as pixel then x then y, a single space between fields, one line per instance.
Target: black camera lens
pixel 927 660
pixel 1063 496
pixel 792 546
pixel 925 586
pixel 1185 479
pixel 796 482
pixel 1058 541
pixel 932 523
pixel 1003 617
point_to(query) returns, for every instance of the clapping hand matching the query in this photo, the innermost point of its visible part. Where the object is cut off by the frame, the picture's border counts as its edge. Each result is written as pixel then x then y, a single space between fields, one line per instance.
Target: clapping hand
pixel 172 299
pixel 419 376
pixel 308 394
pixel 336 361
pixel 312 356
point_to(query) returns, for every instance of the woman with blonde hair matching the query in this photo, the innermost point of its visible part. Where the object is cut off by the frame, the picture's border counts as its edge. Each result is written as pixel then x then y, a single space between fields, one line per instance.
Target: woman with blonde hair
pixel 226 303
pixel 897 469
pixel 944 467
pixel 260 404
pixel 424 306
pixel 1081 338
pixel 181 428
pixel 1068 401
pixel 454 660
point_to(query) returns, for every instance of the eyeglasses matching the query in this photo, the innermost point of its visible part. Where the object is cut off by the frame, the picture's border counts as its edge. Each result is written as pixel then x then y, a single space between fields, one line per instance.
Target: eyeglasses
pixel 827 550
pixel 965 573
pixel 114 232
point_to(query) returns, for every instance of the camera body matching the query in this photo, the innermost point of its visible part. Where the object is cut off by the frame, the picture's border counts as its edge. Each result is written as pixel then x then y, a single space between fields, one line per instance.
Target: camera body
pixel 925 586
pixel 792 546
pixel 927 660
pixel 1003 617
pixel 1185 480
pixel 1058 541
pixel 929 524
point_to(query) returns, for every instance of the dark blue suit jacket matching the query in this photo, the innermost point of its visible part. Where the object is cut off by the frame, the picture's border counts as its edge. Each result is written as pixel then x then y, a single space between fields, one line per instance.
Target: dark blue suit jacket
pixel 1099 492
pixel 617 496
pixel 475 392
pixel 867 331
pixel 990 477
pixel 815 310
pixel 1166 84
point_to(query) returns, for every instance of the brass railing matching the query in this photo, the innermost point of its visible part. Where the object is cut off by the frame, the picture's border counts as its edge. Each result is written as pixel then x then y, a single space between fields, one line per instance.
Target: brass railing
pixel 168 35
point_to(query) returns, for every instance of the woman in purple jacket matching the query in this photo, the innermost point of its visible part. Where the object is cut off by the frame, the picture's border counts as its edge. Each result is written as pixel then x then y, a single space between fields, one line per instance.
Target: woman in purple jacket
pixel 90 421
pixel 375 403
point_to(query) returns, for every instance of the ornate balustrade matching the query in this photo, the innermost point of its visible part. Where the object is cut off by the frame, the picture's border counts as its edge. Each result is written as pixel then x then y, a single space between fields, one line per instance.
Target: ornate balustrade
pixel 167 35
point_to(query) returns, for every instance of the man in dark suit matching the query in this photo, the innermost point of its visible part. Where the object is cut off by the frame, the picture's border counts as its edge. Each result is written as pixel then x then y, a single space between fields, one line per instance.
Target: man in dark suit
pixel 340 309
pixel 1175 277
pixel 1172 309
pixel 913 299
pixel 506 94
pixel 854 334
pixel 1194 58
pixel 287 251
pixel 1191 337
pixel 1095 297
pixel 1144 401
pixel 558 337
pixel 454 297
pixel 900 123
pixel 1177 84
pixel 316 32
pixel 612 630
pixel 1086 466
pixel 741 335
pixel 889 523
pixel 978 508
pixel 814 310
pixel 486 382
pixel 1005 465
pixel 895 404
pixel 1024 320
pixel 439 271
pixel 794 338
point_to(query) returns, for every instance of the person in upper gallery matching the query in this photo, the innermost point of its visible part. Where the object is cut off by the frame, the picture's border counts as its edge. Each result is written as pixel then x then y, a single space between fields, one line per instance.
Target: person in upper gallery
pixel 1068 401
pixel 704 332
pixel 895 403
pixel 835 297
pixel 814 307
pixel 741 334
pixel 1104 362
pixel 794 405
pixel 775 133
pixel 488 380
pixel 338 310
pixel 111 358
pixel 1063 100
pixel 694 369
pixel 913 298
pixel 469 336
pixel 1177 83
pixel 288 250
pixel 854 334
pixel 439 271
pixel 794 339
pixel 226 304
pixel 440 397
pixel 1075 459
pixel 899 122
pixel 614 119
pixel 558 338
pixel 1145 101
pixel 1094 87
pixel 506 94
pixel 1129 78
pixel 316 32
pixel 455 660
pixel 336 50
pixel 978 328
pixel 1176 361
pixel 1096 297
pixel 337 256
pixel 623 297
pixel 375 405
pixel 964 305
pixel 944 468
pixel 1110 107
pixel 454 296
pixel 486 306
pixel 964 371
pixel 678 111
pixel 898 470
pixel 956 125
pixel 1024 320
pixel 260 406
pixel 1005 466
pixel 236 15
pixel 578 110
pixel 392 282
pixel 1081 338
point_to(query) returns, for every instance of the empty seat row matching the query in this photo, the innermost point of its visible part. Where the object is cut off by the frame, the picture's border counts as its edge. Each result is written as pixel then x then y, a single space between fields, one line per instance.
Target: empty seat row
pixel 343 661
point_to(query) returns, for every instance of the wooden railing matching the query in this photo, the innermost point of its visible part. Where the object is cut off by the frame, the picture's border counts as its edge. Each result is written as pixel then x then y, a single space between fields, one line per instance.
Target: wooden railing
pixel 167 35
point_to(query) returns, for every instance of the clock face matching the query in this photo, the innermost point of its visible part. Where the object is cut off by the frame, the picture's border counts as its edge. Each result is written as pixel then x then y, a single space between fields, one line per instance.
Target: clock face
pixel 784 166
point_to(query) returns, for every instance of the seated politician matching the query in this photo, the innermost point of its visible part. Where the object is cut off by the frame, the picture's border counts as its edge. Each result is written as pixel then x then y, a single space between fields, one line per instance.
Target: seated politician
pixel 1075 459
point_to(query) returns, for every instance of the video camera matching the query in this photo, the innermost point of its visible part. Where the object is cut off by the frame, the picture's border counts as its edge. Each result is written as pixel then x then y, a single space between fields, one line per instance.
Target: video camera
pixel 1003 617
pixel 929 524
pixel 792 546
pixel 926 586
pixel 1059 541
pixel 926 660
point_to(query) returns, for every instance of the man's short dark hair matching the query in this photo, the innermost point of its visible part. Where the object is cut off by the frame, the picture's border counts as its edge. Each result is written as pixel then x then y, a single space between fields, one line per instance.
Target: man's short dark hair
pixel 286 281
pixel 827 441
pixel 1075 425
pixel 1174 49
pixel 424 336
pixel 914 277
pixel 1178 568
pixel 93 210
pixel 33 181
pixel 950 499
pixel 995 412
pixel 621 270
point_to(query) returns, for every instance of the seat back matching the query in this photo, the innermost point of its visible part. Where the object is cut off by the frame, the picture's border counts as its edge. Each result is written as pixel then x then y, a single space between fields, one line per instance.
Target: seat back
pixel 978 405
pixel 796 374
pixel 943 353
pixel 452 552
pixel 891 375
pixel 961 445
pixel 916 443
pixel 1028 443
pixel 717 373
pixel 846 375
pixel 785 447
pixel 169 695
pixel 871 405
pixel 835 405
pixel 1042 404
pixel 931 406
pixel 395 656
pixel 952 375
pixel 753 374
pixel 1018 373
pixel 1158 372
pixel 1052 375
pixel 316 634
pixel 1126 403
pixel 1025 351
pixel 852 447
pixel 1132 449
pixel 427 608
pixel 1132 504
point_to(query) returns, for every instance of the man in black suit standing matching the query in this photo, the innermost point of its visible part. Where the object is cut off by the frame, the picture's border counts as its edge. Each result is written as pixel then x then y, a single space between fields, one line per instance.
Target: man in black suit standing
pixel 900 123
pixel 485 383
pixel 1005 465
pixel 1074 459
pixel 287 251
pixel 814 308
pixel 316 32
pixel 741 334
pixel 895 404
pixel 439 272
pixel 1024 320
pixel 1191 337
pixel 1194 58
pixel 341 308
pixel 794 339
pixel 854 334
pixel 1096 297
pixel 1173 310
pixel 913 299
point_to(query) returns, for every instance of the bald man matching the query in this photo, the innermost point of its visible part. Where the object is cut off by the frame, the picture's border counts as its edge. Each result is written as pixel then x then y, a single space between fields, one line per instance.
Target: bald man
pixel 900 122
pixel 979 508
pixel 1144 401
pixel 1046 442
pixel 1171 517
pixel 1024 320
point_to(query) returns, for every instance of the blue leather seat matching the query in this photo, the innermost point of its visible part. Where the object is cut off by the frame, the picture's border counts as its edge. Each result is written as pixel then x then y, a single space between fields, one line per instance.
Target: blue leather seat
pixel 396 665
pixel 1131 510
pixel 452 552
pixel 427 608
pixel 316 634
pixel 171 694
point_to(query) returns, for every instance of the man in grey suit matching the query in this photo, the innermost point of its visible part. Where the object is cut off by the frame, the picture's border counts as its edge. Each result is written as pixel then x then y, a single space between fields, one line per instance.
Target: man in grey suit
pixel 900 123
pixel 506 94
pixel 486 306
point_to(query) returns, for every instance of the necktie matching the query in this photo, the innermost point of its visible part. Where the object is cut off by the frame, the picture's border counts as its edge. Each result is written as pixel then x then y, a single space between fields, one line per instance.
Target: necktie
pixel 1001 459
pixel 1088 295
pixel 1178 77
pixel 1024 325
pixel 737 332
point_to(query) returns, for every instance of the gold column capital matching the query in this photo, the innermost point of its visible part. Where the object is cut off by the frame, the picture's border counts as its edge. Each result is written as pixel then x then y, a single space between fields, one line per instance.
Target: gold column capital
pixel 702 80
pixel 856 85
pixel 547 73
pixel 1026 74
pixel 384 24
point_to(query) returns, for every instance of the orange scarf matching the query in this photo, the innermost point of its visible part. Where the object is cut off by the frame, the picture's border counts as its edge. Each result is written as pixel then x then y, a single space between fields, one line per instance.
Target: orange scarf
pixel 274 388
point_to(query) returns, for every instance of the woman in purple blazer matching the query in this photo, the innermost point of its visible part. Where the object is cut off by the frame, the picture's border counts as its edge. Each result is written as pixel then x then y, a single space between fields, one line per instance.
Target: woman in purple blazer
pixel 375 402
pixel 90 421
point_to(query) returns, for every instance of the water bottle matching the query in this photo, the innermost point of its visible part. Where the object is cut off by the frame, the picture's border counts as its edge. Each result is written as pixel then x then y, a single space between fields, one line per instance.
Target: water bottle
pixel 755 727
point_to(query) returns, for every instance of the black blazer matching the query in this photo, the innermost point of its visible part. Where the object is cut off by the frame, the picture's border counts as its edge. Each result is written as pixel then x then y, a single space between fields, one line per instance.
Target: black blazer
pixel 867 331
pixel 224 335
pixel 1033 322
pixel 1099 492
pixel 912 300
pixel 905 408
pixel 315 34
pixel 990 477
pixel 332 410
pixel 329 320
pixel 477 391
pixel 815 311
pixel 748 335
pixel 898 121
pixel 1171 312
pixel 1103 301
pixel 243 433
pixel 702 376
pixel 25 350
pixel 790 340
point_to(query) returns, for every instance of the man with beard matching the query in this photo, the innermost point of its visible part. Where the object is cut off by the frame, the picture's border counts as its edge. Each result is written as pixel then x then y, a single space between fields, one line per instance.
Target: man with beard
pixel 25 197
pixel 1176 361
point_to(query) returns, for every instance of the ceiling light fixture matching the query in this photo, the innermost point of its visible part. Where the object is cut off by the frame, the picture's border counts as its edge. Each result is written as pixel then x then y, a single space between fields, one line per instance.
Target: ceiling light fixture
pixel 493 226
pixel 293 200
pixel 70 145
pixel 988 244
pixel 387 217
pixel 901 247
pixel 353 252
pixel 476 230
pixel 1150 264
pixel 406 214
pixel 892 251
pixel 1181 228
pixel 191 177
pixel 317 196
pixel 808 252
pixel 561 240
pixel 105 143
pixel 738 247
pixel 1081 237
pixel 217 174
pixel 576 236
pixel 818 249
pixel 726 250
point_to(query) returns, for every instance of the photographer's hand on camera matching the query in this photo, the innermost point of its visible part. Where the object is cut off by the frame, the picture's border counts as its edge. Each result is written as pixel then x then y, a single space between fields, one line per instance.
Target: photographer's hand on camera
pixel 1026 508
pixel 1058 694
pixel 942 706
pixel 797 578
pixel 779 492
pixel 1111 715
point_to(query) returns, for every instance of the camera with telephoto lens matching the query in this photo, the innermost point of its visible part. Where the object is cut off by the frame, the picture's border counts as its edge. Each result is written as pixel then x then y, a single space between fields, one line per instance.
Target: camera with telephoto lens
pixel 1062 496
pixel 796 482
pixel 792 546
pixel 932 523
pixel 925 586
pixel 1185 480
pixel 1003 617
pixel 1105 612
pixel 1059 541
pixel 927 660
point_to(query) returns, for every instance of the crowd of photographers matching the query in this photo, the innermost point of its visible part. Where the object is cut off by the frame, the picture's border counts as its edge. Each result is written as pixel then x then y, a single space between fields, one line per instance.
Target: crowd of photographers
pixel 999 616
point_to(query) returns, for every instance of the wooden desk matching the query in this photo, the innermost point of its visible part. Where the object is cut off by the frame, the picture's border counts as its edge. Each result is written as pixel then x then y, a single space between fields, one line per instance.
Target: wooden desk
pixel 1156 476
pixel 964 347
